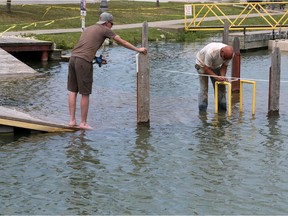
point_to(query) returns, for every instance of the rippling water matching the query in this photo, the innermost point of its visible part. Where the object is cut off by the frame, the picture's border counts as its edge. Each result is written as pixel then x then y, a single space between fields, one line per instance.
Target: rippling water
pixel 184 163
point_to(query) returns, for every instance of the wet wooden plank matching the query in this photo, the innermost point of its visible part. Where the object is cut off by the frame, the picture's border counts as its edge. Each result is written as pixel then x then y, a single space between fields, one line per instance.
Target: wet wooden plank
pixel 35 125
pixel 13 118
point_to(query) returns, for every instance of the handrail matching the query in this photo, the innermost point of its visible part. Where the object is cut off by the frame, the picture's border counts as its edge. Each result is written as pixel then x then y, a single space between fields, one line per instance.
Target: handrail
pixel 197 14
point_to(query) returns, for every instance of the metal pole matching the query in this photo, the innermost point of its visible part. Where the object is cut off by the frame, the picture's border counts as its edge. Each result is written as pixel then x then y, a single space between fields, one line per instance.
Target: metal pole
pixel 253 95
pixel 228 93
pixel 8 6
pixel 83 13
pixel 157 3
pixel 103 6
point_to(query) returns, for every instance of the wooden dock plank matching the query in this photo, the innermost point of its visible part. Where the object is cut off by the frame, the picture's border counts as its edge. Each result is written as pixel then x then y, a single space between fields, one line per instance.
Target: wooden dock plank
pixel 37 126
pixel 13 118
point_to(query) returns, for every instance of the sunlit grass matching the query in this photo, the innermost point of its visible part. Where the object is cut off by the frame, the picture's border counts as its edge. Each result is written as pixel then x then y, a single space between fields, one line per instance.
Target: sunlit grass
pixel 31 17
pixel 37 17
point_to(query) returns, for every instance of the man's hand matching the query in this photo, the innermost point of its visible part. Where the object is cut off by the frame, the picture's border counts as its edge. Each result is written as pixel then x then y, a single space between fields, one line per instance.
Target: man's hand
pixel 142 50
pixel 221 78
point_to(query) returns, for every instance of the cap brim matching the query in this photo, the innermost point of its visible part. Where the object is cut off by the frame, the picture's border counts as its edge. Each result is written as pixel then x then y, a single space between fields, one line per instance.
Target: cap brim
pixel 101 22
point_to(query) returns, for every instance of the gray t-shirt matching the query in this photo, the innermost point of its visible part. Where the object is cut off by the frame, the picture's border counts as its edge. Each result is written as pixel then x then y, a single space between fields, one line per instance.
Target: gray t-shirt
pixel 91 40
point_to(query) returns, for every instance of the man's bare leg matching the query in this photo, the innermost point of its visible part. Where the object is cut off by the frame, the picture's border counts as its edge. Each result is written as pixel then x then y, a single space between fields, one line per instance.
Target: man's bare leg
pixel 84 112
pixel 72 108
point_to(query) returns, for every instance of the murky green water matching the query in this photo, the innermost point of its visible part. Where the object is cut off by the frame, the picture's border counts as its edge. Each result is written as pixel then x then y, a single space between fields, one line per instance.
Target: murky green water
pixel 184 163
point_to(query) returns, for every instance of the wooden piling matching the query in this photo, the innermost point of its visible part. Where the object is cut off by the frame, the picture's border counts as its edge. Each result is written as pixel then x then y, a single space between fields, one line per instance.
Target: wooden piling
pixel 143 81
pixel 225 38
pixel 45 56
pixel 236 62
pixel 274 82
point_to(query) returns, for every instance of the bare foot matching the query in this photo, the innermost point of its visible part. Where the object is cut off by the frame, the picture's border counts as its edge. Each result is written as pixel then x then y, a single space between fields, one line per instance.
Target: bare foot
pixel 85 127
pixel 73 123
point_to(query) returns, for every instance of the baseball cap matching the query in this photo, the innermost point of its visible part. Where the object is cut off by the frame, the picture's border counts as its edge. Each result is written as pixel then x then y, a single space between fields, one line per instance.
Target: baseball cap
pixel 105 17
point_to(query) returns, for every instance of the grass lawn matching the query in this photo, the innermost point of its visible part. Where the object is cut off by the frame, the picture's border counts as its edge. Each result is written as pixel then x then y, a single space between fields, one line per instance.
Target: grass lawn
pixel 34 17
pixel 30 17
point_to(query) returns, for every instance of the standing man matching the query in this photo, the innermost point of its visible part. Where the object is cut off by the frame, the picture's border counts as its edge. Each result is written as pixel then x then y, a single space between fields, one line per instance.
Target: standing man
pixel 80 75
pixel 212 61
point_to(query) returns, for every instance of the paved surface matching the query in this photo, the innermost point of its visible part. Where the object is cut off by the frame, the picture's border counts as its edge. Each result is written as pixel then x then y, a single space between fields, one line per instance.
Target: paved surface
pixel 175 24
pixel 12 66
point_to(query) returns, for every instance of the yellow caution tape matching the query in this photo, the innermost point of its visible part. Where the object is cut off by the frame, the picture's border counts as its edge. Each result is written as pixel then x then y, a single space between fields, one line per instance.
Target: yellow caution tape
pixel 7 30
pixel 24 27
pixel 47 9
pixel 49 23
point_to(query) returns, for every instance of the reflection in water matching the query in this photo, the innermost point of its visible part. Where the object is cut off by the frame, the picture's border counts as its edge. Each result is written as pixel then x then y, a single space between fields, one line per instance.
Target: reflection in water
pixel 219 161
pixel 6 138
pixel 274 135
pixel 142 148
pixel 83 161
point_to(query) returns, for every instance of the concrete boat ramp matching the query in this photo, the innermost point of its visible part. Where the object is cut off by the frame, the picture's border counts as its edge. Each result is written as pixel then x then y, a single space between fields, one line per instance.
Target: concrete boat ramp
pixel 12 120
pixel 11 66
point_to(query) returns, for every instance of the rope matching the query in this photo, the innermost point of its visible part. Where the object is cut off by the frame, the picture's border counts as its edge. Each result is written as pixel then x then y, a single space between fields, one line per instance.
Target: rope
pixel 230 78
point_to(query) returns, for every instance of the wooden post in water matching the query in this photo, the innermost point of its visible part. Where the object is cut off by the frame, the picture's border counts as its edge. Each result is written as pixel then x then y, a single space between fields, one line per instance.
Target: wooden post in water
pixel 143 81
pixel 274 82
pixel 236 65
pixel 225 38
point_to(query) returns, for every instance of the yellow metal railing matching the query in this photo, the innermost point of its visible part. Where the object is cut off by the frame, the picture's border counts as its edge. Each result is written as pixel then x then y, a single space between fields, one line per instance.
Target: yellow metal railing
pixel 270 15
pixel 253 95
pixel 229 94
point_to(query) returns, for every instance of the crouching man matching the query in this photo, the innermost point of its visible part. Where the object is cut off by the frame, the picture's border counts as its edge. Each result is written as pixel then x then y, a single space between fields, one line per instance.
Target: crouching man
pixel 212 61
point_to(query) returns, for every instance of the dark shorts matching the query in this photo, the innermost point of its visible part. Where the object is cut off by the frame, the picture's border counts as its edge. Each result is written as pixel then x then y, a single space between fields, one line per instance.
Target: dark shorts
pixel 80 76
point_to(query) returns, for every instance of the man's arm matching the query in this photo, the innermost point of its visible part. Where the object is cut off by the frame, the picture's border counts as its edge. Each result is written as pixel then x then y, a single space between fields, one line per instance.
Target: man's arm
pixel 210 72
pixel 128 45
pixel 223 69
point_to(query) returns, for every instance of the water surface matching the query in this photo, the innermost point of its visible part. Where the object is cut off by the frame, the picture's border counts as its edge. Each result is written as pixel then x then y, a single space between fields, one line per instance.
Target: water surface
pixel 184 163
